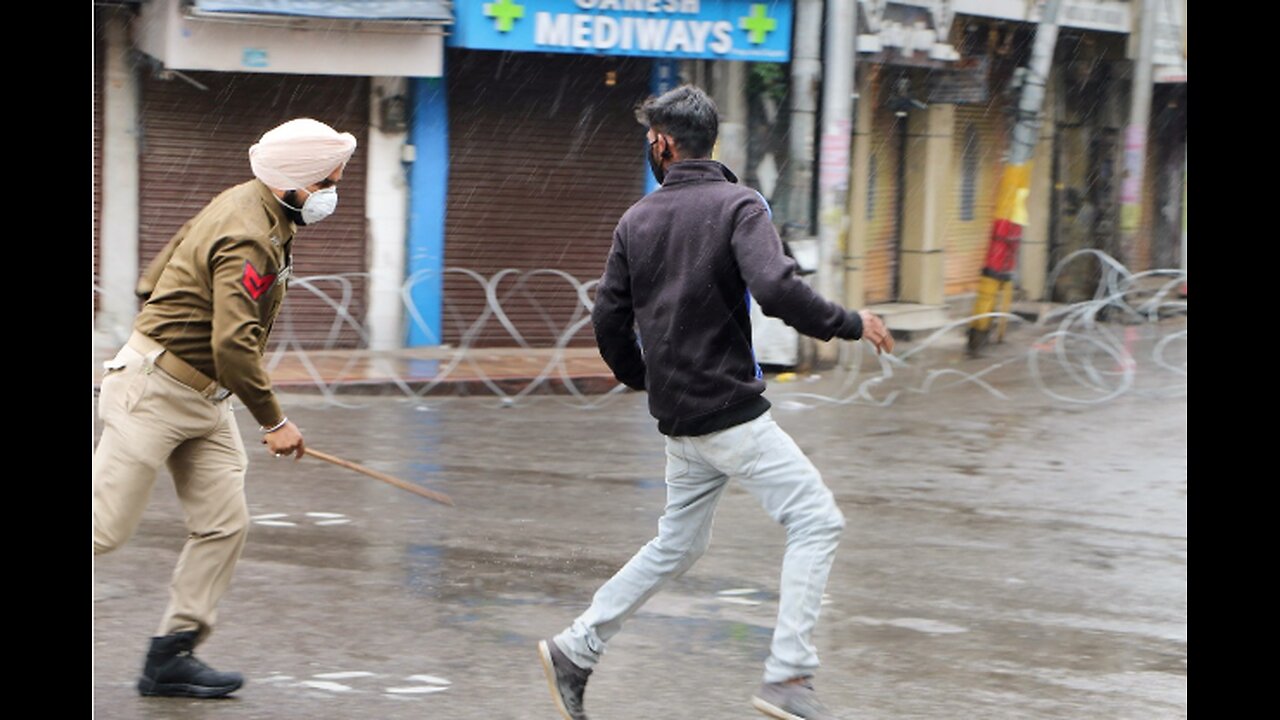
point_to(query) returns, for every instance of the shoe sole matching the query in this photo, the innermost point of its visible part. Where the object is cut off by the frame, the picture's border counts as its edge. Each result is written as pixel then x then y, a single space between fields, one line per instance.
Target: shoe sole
pixel 772 710
pixel 152 689
pixel 549 668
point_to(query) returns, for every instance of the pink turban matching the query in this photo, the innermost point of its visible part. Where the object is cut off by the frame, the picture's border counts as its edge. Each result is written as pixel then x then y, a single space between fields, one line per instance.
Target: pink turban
pixel 299 153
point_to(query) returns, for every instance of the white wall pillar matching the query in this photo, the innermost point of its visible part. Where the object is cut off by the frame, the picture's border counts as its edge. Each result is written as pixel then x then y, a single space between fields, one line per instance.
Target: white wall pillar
pixel 386 205
pixel 118 227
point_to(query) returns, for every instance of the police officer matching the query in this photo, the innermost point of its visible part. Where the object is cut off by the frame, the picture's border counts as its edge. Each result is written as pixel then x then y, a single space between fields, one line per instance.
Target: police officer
pixel 211 297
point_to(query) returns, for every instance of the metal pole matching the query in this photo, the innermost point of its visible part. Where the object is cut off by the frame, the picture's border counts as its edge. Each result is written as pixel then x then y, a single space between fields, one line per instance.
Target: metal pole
pixel 837 136
pixel 1015 184
pixel 806 73
pixel 1135 136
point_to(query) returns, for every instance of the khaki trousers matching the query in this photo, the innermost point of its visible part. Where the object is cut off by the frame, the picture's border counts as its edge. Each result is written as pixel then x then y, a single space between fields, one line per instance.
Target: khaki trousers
pixel 150 418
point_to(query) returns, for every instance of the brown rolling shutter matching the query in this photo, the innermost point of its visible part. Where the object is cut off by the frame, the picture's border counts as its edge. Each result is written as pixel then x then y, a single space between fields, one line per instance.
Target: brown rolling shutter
pixel 544 158
pixel 883 198
pixel 99 78
pixel 1148 213
pixel 195 144
pixel 979 143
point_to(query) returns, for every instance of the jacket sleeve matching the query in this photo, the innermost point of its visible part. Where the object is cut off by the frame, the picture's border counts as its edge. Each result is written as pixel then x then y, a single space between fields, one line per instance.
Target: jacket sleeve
pixel 151 277
pixel 243 275
pixel 773 281
pixel 613 319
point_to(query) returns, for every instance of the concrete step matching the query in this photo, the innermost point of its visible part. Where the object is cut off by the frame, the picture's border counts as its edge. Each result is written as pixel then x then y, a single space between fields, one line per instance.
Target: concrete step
pixel 911 318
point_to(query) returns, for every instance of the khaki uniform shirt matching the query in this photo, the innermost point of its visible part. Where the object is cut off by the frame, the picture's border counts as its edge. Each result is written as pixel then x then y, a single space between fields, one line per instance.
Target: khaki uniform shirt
pixel 215 290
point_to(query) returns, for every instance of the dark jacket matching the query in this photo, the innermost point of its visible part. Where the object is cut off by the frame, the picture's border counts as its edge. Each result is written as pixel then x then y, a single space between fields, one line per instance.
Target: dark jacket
pixel 682 261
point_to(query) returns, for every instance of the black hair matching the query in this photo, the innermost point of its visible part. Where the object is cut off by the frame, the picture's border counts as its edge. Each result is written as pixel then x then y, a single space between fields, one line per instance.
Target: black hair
pixel 688 115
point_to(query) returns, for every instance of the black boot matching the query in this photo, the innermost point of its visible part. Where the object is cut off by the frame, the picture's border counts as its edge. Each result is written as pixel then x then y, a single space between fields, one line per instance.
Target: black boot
pixel 172 670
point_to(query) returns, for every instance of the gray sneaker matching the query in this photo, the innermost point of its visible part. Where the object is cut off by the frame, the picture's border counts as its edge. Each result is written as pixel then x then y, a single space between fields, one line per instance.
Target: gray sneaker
pixel 790 701
pixel 567 681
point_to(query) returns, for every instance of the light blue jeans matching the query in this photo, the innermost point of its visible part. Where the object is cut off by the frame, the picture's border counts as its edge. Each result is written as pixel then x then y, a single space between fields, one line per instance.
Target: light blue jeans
pixel 767 462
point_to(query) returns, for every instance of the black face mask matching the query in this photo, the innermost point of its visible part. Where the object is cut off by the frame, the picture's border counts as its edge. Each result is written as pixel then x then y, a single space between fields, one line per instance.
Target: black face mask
pixel 291 202
pixel 655 164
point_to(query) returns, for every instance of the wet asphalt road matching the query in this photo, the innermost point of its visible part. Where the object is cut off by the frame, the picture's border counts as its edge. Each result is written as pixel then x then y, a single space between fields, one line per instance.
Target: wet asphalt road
pixel 1003 558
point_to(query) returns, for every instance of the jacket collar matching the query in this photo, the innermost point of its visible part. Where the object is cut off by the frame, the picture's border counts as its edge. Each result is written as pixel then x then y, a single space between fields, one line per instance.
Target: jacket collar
pixel 698 171
pixel 279 220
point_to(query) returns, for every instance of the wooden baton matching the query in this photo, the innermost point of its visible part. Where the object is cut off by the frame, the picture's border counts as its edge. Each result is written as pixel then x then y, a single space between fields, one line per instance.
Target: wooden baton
pixel 403 485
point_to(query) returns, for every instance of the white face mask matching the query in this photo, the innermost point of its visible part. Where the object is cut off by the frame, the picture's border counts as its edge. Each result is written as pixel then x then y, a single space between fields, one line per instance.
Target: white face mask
pixel 319 205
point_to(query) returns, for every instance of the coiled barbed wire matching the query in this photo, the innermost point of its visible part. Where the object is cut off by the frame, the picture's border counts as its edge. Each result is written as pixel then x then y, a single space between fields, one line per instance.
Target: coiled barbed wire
pixel 1085 357
pixel 1085 348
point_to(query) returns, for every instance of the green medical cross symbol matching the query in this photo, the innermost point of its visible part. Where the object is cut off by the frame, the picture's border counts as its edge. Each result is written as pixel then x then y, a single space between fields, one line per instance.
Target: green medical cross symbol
pixel 758 24
pixel 505 13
